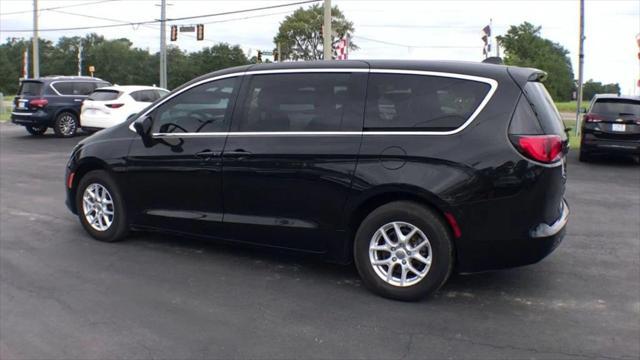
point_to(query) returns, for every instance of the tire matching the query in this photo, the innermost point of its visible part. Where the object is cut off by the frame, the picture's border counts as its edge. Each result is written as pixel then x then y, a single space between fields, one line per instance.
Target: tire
pixel 118 228
pixel 66 124
pixel 36 130
pixel 438 249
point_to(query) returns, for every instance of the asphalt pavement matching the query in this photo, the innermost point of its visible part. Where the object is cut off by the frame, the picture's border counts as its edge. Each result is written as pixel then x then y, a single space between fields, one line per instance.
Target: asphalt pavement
pixel 64 295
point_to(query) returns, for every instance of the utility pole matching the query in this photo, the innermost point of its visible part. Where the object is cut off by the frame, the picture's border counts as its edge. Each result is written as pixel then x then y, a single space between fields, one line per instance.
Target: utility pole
pixel 163 44
pixel 80 59
pixel 326 31
pixel 580 68
pixel 35 40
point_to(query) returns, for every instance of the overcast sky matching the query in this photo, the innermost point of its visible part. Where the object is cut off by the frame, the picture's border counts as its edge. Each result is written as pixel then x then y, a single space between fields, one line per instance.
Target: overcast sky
pixel 383 29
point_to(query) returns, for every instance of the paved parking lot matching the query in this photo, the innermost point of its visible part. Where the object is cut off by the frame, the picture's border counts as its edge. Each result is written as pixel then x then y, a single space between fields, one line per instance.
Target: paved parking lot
pixel 63 295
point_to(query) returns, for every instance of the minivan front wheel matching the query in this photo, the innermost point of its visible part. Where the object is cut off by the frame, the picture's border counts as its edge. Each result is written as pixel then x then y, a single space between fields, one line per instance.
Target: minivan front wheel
pixel 403 251
pixel 66 124
pixel 100 207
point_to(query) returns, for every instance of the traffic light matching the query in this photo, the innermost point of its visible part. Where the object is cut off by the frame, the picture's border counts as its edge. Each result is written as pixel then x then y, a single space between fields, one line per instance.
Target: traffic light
pixel 200 32
pixel 259 56
pixel 174 32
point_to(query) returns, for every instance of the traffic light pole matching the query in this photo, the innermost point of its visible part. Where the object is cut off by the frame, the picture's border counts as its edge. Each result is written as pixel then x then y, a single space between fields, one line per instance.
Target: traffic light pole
pixel 163 44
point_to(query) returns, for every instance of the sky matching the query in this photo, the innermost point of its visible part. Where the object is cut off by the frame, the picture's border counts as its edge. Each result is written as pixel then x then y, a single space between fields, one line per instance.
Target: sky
pixel 383 29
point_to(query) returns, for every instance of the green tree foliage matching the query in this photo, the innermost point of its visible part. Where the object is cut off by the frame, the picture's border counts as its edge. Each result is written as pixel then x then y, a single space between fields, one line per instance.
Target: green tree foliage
pixel 300 35
pixel 115 60
pixel 590 88
pixel 523 46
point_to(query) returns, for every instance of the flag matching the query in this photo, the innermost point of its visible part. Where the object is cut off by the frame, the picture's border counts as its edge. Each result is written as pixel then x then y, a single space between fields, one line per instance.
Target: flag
pixel 342 49
pixel 486 35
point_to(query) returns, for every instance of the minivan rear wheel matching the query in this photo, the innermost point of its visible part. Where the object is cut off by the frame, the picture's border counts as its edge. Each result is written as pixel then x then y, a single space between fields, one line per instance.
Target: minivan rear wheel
pixel 36 130
pixel 100 207
pixel 403 251
pixel 66 124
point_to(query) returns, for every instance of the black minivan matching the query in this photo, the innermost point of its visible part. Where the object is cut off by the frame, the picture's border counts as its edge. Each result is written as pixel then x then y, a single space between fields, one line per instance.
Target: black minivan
pixel 411 169
pixel 52 102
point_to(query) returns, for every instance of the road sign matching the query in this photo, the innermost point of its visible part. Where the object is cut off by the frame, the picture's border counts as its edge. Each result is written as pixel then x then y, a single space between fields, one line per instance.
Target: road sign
pixel 188 28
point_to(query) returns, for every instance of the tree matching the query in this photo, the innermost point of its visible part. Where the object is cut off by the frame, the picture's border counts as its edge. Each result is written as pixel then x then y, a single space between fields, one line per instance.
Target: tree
pixel 523 46
pixel 300 36
pixel 591 88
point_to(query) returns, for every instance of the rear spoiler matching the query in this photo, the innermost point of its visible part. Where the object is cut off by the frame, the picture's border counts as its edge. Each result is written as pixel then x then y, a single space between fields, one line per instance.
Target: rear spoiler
pixel 523 75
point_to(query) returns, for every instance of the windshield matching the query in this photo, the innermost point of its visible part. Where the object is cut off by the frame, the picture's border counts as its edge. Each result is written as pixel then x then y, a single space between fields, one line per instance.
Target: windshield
pixel 30 88
pixel 616 107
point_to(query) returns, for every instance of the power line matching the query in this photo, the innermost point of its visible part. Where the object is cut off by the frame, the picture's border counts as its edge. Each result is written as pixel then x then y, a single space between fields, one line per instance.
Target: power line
pixel 174 19
pixel 58 7
pixel 414 46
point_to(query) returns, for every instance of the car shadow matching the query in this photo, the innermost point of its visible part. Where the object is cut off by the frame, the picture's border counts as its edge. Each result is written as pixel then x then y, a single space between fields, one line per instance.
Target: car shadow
pixel 465 287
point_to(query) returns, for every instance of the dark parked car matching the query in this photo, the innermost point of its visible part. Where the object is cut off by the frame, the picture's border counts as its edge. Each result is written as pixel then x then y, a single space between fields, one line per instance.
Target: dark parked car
pixel 611 126
pixel 52 102
pixel 411 169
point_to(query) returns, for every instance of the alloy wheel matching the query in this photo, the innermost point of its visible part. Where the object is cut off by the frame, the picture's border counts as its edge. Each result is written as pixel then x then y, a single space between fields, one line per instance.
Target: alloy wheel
pixel 97 206
pixel 400 254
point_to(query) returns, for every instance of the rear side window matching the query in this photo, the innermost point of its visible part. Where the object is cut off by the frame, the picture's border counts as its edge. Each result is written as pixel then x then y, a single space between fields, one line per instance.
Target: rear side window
pixel 63 87
pixel 74 88
pixel 145 96
pixel 543 107
pixel 104 95
pixel 295 102
pixel 30 88
pixel 616 107
pixel 418 102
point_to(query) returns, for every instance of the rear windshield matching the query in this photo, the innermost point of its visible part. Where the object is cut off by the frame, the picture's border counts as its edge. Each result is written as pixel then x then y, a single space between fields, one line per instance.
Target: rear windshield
pixel 104 95
pixel 544 108
pixel 616 107
pixel 30 88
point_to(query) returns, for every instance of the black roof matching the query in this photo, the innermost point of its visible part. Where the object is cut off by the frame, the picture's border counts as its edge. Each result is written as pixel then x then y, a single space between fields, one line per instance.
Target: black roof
pixel 493 71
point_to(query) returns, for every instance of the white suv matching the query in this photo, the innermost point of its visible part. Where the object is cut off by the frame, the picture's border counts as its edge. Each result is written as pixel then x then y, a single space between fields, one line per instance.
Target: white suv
pixel 109 106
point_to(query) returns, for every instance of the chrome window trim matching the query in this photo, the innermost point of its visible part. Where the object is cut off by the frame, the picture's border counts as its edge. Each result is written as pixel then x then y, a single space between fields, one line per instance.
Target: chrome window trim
pixel 491 82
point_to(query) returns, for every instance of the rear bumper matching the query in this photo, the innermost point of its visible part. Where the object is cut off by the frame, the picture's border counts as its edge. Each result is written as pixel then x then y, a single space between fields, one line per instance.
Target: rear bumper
pixel 543 239
pixel 591 143
pixel 98 122
pixel 35 118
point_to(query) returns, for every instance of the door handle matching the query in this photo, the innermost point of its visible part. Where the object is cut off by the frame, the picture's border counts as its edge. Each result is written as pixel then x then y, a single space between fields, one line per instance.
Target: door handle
pixel 207 154
pixel 239 154
pixel 78 100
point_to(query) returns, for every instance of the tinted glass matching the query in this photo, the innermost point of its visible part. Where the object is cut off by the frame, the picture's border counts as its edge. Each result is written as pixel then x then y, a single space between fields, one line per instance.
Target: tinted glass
pixel 544 108
pixel 144 96
pixel 30 88
pixel 417 102
pixel 205 108
pixel 104 95
pixel 524 120
pixel 161 93
pixel 63 87
pixel 295 102
pixel 616 107
pixel 83 87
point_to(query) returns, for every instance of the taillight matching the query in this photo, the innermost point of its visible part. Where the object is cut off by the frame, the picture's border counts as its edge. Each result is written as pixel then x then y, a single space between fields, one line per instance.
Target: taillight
pixel 593 118
pixel 114 106
pixel 543 148
pixel 40 103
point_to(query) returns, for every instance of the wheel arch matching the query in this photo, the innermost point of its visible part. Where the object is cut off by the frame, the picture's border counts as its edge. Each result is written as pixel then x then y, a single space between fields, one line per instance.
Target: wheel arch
pixel 84 166
pixel 359 211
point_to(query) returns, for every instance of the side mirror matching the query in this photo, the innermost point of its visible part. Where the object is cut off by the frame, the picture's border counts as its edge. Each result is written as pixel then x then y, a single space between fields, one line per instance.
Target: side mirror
pixel 143 126
pixel 131 116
